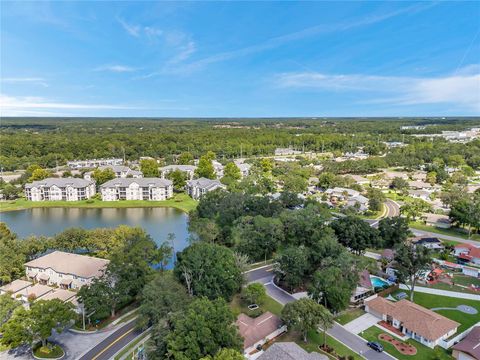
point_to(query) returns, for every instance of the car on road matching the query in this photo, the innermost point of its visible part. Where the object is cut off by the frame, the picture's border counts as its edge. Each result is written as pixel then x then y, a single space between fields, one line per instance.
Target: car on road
pixel 375 346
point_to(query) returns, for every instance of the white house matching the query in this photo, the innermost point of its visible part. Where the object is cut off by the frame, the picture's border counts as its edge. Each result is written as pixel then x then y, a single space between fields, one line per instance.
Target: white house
pixel 65 270
pixel 189 170
pixel 218 167
pixel 56 189
pixel 121 171
pixel 199 187
pixel 414 321
pixel 91 163
pixel 244 168
pixel 155 189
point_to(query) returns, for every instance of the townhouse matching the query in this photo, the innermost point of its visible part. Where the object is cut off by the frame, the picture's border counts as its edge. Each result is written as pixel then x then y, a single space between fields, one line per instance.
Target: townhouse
pixel 199 187
pixel 65 270
pixel 189 170
pixel 121 171
pixel 56 189
pixel 153 189
pixel 92 163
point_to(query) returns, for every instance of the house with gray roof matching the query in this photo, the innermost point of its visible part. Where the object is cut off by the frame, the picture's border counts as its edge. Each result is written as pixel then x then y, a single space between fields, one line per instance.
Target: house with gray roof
pixel 154 189
pixel 289 351
pixel 199 187
pixel 121 171
pixel 189 170
pixel 56 189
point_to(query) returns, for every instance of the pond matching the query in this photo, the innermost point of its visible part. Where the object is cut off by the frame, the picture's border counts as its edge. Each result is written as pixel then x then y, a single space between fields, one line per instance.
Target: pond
pixel 158 222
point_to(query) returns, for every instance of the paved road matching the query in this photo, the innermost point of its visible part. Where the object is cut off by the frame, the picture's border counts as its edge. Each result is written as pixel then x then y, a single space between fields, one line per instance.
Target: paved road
pixel 113 343
pixel 445 237
pixel 354 342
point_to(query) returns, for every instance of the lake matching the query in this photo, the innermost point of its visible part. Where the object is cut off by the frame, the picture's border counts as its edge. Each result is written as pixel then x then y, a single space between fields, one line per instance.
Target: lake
pixel 158 222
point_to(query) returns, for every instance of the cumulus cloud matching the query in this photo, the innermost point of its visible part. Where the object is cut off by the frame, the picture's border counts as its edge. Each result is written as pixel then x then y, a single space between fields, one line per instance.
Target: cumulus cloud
pixel 461 89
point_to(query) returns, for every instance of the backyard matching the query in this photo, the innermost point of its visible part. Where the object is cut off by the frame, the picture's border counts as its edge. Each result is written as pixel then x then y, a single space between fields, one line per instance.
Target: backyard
pixel 423 352
pixel 349 315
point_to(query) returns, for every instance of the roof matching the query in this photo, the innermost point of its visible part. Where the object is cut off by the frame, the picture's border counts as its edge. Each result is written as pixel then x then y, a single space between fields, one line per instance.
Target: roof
pixel 438 218
pixel 422 321
pixel 67 263
pixel 289 351
pixel 470 344
pixel 15 285
pixel 60 182
pixel 142 182
pixel 204 183
pixel 388 254
pixel 36 290
pixel 254 330
pixel 364 279
pixel 426 240
pixel 179 167
pixel 60 294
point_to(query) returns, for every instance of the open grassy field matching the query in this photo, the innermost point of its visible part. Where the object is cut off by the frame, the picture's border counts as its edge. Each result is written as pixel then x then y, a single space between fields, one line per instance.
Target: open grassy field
pixel 423 352
pixel 349 315
pixel 238 306
pixel 461 233
pixel 182 202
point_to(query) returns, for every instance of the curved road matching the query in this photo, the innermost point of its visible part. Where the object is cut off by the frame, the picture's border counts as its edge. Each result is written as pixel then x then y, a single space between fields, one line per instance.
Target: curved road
pixel 113 343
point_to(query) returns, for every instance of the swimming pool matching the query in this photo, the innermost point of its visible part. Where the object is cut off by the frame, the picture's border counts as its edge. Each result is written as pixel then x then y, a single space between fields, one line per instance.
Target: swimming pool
pixel 378 282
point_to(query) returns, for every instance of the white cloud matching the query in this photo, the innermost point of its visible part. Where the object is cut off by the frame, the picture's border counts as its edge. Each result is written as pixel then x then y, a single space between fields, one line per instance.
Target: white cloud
pixel 20 80
pixel 116 68
pixel 133 30
pixel 462 89
pixel 137 30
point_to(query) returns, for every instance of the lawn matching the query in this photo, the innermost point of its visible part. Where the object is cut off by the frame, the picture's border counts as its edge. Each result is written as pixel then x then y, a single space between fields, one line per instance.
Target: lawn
pixel 315 339
pixel 461 233
pixel 423 352
pixel 349 315
pixel 238 306
pixel 433 301
pixel 48 352
pixel 182 202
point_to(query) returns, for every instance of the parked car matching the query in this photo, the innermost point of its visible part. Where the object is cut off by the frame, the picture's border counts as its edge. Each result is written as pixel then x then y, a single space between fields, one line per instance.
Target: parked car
pixel 375 346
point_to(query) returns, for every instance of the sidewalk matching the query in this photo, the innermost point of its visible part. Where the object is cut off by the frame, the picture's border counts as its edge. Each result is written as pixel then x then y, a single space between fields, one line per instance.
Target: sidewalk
pixel 454 294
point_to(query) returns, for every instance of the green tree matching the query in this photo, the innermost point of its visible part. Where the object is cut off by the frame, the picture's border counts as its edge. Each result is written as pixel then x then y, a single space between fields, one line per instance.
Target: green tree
pixel 102 176
pixel 375 199
pixel 185 158
pixel 294 183
pixel 12 257
pixel 254 293
pixel 304 315
pixel 203 329
pixel 39 174
pixel 231 172
pixel 327 180
pixel 466 212
pixel 399 184
pixel 414 208
pixel 226 354
pixel 355 234
pixel 393 231
pixel 209 270
pixel 179 179
pixel 160 297
pixel 100 298
pixel 205 168
pixel 291 265
pixel 149 167
pixel 431 177
pixel 7 307
pixel 410 261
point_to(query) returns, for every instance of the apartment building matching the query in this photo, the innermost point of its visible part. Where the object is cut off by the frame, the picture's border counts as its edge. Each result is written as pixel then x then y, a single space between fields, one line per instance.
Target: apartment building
pixel 155 189
pixel 199 187
pixel 92 163
pixel 55 189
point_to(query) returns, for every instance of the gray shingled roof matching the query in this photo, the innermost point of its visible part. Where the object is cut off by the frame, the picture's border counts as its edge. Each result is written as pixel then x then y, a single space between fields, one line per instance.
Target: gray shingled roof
pixel 204 183
pixel 60 182
pixel 289 351
pixel 179 167
pixel 143 182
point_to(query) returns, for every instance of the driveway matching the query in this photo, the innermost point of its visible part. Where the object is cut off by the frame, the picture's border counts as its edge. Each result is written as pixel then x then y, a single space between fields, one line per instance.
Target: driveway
pixel 361 323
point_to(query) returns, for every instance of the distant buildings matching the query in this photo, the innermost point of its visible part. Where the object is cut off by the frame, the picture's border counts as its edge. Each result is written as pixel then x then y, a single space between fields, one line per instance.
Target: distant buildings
pixel 154 189
pixel 414 321
pixel 199 187
pixel 189 170
pixel 55 189
pixel 93 163
pixel 439 221
pixel 347 197
pixel 286 151
pixel 121 171
pixel 65 270
pixel 289 351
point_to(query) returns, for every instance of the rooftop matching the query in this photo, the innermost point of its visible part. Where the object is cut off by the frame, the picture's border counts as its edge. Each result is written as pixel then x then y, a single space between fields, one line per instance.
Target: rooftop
pixel 15 286
pixel 254 330
pixel 143 182
pixel 60 182
pixel 289 351
pixel 470 344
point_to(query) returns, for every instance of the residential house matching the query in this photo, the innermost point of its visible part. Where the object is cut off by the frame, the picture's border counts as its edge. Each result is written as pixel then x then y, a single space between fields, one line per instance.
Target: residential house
pixel 289 351
pixel 189 170
pixel 349 197
pixel 420 194
pixel 467 253
pixel 414 321
pixel 218 167
pixel 65 270
pixel 56 189
pixel 364 288
pixel 257 331
pixel 244 167
pixel 199 187
pixel 359 179
pixel 32 293
pixel 93 163
pixel 152 189
pixel 15 286
pixel 436 220
pixel 428 242
pixel 421 185
pixel 469 347
pixel 388 254
pixel 121 171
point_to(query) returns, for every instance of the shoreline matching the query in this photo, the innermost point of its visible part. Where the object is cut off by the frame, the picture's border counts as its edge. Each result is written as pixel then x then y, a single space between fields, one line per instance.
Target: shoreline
pixel 181 202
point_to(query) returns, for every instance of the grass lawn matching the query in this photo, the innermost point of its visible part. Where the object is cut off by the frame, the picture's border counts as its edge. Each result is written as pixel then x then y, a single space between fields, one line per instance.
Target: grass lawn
pixel 443 286
pixel 47 352
pixel 423 352
pixel 461 233
pixel 182 202
pixel 238 306
pixel 349 315
pixel 314 340
pixel 433 301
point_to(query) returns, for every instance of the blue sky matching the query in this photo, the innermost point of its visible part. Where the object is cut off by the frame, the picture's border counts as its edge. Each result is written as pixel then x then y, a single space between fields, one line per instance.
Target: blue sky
pixel 229 59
